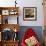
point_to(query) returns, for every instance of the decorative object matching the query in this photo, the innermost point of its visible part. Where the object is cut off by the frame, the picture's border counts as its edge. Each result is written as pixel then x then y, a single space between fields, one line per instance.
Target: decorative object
pixel 13 12
pixel 5 12
pixel 30 13
pixel 15 3
pixel 7 34
pixel 31 41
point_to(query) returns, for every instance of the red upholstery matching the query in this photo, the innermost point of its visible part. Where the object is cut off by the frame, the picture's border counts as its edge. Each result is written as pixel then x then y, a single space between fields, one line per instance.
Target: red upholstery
pixel 29 33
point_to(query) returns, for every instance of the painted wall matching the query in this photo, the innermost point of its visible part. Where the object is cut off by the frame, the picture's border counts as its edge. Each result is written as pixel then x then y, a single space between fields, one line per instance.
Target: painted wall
pixel 32 3
pixel 26 3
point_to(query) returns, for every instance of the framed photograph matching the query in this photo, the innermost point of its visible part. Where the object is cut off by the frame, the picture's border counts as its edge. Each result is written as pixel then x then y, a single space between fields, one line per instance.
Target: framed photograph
pixel 5 12
pixel 30 13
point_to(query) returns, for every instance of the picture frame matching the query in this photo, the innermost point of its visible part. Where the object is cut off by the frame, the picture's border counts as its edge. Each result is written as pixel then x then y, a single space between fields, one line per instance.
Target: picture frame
pixel 30 13
pixel 13 12
pixel 5 12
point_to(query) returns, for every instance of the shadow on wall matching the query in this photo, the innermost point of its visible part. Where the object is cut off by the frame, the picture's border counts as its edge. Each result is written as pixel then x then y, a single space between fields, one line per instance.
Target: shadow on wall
pixel 37 29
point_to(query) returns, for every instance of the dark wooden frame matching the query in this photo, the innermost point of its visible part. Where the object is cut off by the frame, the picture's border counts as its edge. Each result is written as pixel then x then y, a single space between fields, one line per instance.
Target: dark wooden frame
pixel 15 9
pixel 34 15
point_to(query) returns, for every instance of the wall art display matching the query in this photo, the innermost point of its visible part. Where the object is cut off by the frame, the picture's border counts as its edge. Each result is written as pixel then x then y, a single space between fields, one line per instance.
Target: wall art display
pixel 30 13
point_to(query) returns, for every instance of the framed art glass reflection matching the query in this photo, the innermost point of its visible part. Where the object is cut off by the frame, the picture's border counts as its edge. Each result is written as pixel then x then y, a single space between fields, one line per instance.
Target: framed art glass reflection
pixel 30 13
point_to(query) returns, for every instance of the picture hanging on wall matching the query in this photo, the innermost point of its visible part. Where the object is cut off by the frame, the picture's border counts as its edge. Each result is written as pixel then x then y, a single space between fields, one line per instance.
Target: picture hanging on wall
pixel 30 13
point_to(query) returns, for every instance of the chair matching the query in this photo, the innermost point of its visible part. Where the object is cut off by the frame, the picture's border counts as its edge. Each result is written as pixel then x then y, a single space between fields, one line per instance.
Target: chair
pixel 28 34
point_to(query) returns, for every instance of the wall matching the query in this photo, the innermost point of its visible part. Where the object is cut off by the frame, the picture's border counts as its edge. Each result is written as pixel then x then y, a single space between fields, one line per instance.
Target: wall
pixel 26 3
pixel 30 3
